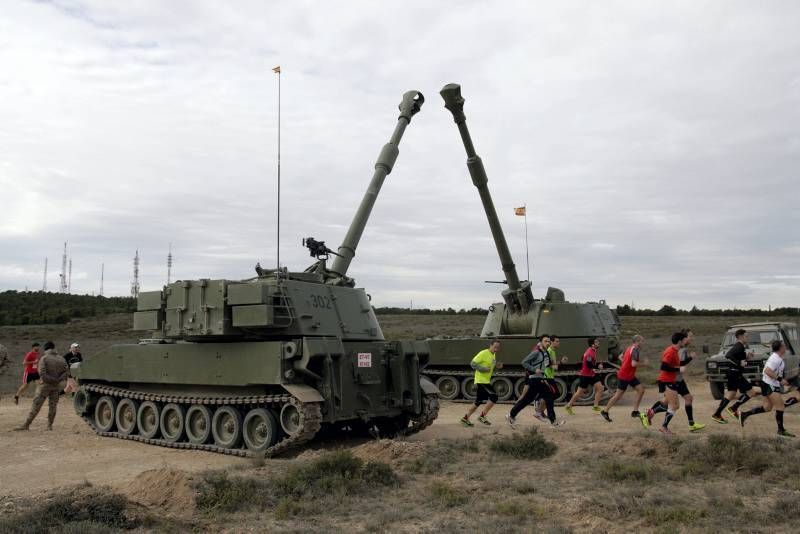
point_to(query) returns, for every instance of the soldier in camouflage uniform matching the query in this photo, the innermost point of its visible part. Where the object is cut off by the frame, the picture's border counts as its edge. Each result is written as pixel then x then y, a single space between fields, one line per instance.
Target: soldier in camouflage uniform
pixel 53 372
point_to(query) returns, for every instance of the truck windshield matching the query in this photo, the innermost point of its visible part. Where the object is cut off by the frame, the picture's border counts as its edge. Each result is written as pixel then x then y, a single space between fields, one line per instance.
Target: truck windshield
pixel 754 338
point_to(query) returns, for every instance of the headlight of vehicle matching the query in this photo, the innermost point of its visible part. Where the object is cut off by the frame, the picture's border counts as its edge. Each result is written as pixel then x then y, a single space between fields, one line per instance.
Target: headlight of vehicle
pixel 712 365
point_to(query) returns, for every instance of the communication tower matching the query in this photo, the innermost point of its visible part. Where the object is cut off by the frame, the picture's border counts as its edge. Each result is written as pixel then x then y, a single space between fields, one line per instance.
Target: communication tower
pixel 44 279
pixel 69 277
pixel 63 276
pixel 135 283
pixel 102 272
pixel 169 264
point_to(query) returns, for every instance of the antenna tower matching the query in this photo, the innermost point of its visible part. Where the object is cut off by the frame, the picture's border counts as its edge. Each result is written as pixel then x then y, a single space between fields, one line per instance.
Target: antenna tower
pixel 69 278
pixel 44 279
pixel 169 264
pixel 63 276
pixel 102 272
pixel 135 283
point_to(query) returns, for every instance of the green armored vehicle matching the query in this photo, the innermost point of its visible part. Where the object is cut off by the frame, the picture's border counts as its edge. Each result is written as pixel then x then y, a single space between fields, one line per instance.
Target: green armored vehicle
pixel 261 365
pixel 759 346
pixel 520 319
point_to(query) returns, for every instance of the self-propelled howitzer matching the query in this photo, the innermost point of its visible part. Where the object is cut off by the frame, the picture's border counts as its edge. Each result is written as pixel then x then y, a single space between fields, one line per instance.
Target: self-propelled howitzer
pixel 520 319
pixel 257 366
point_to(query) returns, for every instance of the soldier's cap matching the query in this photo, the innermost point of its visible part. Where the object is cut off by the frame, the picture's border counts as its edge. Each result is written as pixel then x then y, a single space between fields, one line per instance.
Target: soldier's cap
pixel 74 346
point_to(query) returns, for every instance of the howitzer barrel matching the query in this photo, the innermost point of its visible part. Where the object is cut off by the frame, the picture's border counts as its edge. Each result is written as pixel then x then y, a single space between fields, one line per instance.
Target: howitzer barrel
pixel 453 101
pixel 409 106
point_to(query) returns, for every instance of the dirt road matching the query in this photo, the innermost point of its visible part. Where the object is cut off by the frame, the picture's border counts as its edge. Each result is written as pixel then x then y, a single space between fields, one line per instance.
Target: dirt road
pixel 37 460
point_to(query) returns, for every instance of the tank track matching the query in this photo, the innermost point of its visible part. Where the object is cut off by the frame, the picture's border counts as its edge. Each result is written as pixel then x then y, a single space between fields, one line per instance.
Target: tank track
pixel 430 411
pixel 310 419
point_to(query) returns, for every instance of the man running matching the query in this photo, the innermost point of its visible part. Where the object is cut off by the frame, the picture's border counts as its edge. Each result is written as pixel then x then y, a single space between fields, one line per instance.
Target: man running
pixel 670 367
pixel 549 375
pixel 771 388
pixel 30 372
pixel 683 389
pixel 484 364
pixel 588 378
pixel 535 364
pixel 737 357
pixel 627 378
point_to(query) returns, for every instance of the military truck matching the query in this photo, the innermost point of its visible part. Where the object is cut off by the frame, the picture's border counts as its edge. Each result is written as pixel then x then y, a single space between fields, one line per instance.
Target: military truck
pixel 520 318
pixel 256 366
pixel 759 340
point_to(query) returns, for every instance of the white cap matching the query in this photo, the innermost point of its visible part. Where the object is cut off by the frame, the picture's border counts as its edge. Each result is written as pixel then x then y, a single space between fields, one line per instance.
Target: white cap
pixel 74 346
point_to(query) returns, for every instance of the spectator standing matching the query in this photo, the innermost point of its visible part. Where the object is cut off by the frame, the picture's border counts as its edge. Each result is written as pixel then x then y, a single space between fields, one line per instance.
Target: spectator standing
pixel 74 355
pixel 53 372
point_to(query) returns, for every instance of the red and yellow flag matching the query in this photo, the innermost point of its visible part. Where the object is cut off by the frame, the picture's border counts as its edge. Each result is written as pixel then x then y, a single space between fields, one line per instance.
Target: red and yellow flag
pixel 277 70
pixel 520 211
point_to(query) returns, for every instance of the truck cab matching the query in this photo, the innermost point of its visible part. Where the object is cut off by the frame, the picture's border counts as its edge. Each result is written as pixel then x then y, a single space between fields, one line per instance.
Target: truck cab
pixel 759 340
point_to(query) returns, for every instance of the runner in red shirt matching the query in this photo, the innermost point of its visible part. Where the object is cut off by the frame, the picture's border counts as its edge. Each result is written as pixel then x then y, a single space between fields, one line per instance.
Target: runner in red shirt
pixel 667 383
pixel 588 378
pixel 627 378
pixel 30 373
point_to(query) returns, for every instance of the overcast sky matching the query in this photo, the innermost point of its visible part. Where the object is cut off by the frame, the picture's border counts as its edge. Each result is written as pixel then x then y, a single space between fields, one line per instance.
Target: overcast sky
pixel 655 144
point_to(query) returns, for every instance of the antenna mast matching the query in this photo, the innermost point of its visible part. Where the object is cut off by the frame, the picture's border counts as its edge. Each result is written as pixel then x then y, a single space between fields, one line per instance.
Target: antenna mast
pixel 169 264
pixel 135 283
pixel 63 276
pixel 102 272
pixel 69 278
pixel 44 280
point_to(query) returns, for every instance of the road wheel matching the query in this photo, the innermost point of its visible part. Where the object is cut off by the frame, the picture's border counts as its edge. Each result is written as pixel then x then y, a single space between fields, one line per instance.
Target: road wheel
pixel 126 416
pixel 562 390
pixel 586 397
pixel 503 387
pixel 82 402
pixel 226 427
pixel 449 387
pixel 171 422
pixel 468 388
pixel 611 382
pixel 260 430
pixel 104 413
pixel 519 385
pixel 290 419
pixel 717 390
pixel 147 419
pixel 198 424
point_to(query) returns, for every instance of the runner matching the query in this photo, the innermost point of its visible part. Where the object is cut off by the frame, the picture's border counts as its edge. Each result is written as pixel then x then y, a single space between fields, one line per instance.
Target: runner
pixel 670 367
pixel 737 357
pixel 549 375
pixel 535 364
pixel 484 364
pixel 627 378
pixel 683 388
pixel 771 388
pixel 588 378
pixel 31 372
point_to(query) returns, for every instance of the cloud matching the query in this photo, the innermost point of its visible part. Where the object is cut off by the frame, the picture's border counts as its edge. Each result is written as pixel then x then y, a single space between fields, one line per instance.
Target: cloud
pixel 654 148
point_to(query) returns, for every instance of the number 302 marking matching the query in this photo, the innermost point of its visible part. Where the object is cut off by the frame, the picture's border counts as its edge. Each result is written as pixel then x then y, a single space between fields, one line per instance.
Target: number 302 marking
pixel 320 301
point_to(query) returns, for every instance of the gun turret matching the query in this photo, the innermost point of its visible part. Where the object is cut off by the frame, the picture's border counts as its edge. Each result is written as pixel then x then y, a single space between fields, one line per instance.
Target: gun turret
pixel 409 106
pixel 518 297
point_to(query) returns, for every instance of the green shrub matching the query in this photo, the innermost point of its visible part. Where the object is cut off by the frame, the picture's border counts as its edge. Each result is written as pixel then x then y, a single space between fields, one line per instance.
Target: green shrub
pixel 623 472
pixel 219 492
pixel 730 454
pixel 529 445
pixel 440 454
pixel 446 495
pixel 79 509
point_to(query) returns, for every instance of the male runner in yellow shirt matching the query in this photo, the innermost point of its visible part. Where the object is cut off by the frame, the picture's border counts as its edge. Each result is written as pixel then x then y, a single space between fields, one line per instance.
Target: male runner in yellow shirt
pixel 484 364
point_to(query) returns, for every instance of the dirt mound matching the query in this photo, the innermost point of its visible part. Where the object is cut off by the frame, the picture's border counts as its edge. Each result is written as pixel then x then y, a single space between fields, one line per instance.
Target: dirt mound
pixel 389 451
pixel 169 490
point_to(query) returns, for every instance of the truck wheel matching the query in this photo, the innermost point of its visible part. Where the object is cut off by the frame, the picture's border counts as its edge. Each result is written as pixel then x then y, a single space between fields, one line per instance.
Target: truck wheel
pixel 104 413
pixel 717 390
pixel 260 429
pixel 468 388
pixel 126 416
pixel 449 387
pixel 147 419
pixel 171 422
pixel 503 387
pixel 226 426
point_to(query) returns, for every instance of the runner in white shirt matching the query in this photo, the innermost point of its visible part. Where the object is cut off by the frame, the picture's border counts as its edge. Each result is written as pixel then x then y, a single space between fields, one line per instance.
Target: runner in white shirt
pixel 771 388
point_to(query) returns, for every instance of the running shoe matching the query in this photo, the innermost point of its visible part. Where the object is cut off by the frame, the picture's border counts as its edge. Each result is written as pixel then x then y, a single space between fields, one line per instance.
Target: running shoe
pixel 511 421
pixel 649 416
pixel 719 419
pixel 694 427
pixel 606 416
pixel 569 410
pixel 666 431
pixel 645 420
pixel 597 409
pixel 732 413
pixel 466 422
pixel 784 433
pixel 541 417
pixel 485 421
pixel 636 413
pixel 558 422
pixel 16 399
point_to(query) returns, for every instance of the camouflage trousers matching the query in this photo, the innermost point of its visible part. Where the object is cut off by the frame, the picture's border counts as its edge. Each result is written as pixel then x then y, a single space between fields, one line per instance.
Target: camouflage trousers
pixel 49 392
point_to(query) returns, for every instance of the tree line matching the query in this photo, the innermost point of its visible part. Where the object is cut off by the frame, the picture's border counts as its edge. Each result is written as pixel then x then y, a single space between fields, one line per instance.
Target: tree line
pixel 37 307
pixel 668 310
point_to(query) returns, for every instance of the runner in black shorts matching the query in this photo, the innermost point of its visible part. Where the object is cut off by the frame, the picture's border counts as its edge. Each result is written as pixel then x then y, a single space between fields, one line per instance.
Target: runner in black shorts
pixel 772 383
pixel 626 377
pixel 737 357
pixel 670 367
pixel 485 393
pixel 683 389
